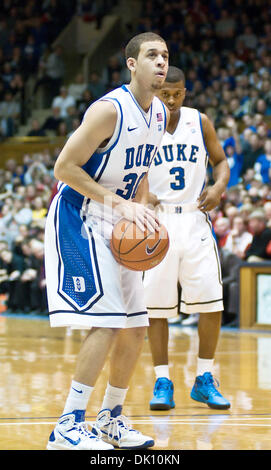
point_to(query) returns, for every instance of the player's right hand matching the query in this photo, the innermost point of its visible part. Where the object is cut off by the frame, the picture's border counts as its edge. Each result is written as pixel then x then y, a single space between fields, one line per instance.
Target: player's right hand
pixel 143 216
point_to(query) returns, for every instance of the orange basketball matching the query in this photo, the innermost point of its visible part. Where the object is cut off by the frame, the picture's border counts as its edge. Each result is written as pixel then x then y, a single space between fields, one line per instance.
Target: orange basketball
pixel 137 250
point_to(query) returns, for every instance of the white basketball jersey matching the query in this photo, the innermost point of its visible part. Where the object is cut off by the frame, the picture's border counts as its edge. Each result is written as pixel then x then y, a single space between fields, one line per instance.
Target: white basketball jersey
pixel 178 171
pixel 122 164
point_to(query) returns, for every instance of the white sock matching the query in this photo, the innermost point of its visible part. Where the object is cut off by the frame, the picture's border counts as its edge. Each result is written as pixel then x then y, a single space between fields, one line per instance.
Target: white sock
pixel 78 397
pixel 113 397
pixel 162 371
pixel 204 365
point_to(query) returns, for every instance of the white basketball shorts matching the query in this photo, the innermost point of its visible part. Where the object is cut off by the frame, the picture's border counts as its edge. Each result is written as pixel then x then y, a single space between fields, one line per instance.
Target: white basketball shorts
pixel 86 287
pixel 192 261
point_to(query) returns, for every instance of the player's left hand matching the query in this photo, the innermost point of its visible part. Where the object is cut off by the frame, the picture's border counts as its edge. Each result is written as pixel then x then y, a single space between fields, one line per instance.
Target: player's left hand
pixel 209 199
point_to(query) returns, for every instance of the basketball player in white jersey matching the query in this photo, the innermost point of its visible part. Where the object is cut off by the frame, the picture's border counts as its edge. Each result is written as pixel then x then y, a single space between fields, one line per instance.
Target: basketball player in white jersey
pixel 102 172
pixel 177 182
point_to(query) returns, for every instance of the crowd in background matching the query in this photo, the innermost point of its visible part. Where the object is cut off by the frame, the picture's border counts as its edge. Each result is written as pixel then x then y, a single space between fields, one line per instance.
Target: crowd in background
pixel 224 50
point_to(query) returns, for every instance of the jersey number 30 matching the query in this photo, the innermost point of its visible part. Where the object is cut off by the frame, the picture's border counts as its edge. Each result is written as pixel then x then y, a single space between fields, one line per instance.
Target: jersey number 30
pixel 179 183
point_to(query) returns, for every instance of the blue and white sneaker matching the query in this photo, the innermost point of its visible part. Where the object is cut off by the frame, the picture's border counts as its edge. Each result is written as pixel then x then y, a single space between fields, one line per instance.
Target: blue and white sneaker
pixel 117 430
pixel 72 435
pixel 204 390
pixel 162 395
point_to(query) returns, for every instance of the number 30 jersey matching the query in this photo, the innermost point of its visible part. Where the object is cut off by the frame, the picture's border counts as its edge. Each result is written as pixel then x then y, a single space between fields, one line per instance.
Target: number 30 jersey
pixel 178 171
pixel 123 162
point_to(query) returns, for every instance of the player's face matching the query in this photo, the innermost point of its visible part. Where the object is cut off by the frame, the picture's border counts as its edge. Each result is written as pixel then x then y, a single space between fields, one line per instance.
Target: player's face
pixel 152 64
pixel 172 94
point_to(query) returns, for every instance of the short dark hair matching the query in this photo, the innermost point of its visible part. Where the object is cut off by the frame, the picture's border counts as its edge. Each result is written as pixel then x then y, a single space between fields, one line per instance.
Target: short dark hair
pixel 133 46
pixel 175 75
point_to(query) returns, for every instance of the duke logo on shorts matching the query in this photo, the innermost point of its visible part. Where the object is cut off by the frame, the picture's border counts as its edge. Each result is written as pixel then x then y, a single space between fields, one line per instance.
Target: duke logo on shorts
pixel 85 286
pixel 177 177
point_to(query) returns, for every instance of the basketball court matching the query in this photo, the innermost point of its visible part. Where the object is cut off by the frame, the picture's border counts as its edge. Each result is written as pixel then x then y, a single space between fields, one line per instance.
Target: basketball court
pixel 37 364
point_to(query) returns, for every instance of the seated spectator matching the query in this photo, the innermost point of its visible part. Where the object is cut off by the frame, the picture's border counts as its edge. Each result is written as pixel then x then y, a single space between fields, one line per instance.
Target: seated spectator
pixel 222 230
pixel 84 103
pixel 53 121
pixel 39 211
pixel 9 114
pixel 52 70
pixel 77 88
pixel 251 152
pixel 32 278
pixel 267 213
pixel 263 163
pixel 36 129
pixel 96 86
pixel 239 238
pixel 260 248
pixel 13 265
pixel 230 264
pixel 63 101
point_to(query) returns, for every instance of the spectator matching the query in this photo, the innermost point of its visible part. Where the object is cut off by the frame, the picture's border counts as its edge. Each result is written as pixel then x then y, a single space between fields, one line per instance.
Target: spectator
pixel 77 88
pixel 53 121
pixel 9 114
pixel 263 163
pixel 230 264
pixel 52 70
pixel 63 101
pixel 251 152
pixel 260 248
pixel 36 129
pixel 222 230
pixel 239 238
pixel 13 265
pixel 95 86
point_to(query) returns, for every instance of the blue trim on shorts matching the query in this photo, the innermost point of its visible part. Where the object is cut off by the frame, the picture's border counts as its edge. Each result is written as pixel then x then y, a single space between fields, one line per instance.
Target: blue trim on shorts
pixel 66 288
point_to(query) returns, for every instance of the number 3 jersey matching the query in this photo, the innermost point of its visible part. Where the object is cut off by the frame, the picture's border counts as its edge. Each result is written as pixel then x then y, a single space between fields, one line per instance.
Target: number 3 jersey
pixel 178 171
pixel 123 162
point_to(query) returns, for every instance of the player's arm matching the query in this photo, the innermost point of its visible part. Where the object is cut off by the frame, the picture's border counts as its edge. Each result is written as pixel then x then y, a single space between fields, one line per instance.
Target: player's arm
pixel 97 127
pixel 211 195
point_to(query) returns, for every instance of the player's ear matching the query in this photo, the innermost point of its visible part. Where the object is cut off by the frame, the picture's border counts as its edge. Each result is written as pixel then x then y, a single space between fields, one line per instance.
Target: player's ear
pixel 131 63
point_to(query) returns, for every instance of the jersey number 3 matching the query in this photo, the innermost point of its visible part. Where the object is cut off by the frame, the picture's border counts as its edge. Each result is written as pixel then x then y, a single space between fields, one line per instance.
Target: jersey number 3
pixel 179 182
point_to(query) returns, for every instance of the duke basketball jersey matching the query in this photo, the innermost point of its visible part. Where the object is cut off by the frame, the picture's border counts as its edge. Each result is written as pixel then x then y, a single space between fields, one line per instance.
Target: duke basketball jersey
pixel 178 170
pixel 86 287
pixel 122 164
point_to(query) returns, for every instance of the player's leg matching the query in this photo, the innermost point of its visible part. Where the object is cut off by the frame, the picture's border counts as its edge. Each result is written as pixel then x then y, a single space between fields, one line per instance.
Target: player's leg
pixel 200 278
pixel 125 353
pixel 161 296
pixel 69 293
pixel 159 349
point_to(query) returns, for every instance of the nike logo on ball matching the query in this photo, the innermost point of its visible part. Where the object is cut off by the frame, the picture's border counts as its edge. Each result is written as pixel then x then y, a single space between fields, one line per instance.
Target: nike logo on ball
pixel 149 250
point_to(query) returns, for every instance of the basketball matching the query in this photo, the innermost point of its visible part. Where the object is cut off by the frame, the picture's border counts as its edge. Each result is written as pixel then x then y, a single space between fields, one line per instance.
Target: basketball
pixel 137 250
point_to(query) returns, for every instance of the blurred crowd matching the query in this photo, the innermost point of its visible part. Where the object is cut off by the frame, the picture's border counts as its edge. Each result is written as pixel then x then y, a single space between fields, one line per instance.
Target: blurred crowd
pixel 28 30
pixel 224 49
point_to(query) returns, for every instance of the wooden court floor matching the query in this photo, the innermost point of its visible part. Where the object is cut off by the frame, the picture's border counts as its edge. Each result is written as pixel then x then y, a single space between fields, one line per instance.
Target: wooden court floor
pixel 37 365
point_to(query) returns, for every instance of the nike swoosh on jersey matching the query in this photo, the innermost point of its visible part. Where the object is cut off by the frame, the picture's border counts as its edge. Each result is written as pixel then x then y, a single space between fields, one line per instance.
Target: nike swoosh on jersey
pixel 149 250
pixel 71 441
pixel 131 128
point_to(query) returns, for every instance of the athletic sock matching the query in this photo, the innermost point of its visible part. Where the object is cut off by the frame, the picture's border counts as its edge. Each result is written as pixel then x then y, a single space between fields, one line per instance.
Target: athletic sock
pixel 204 365
pixel 113 397
pixel 162 371
pixel 78 397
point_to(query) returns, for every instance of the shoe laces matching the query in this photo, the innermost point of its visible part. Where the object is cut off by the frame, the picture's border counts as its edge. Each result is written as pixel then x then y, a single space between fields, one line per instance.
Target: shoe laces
pixel 118 425
pixel 211 383
pixel 82 428
pixel 161 386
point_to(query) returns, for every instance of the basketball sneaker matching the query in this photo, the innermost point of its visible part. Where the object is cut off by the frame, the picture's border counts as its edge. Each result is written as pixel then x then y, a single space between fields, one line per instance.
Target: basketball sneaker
pixel 162 395
pixel 205 391
pixel 72 435
pixel 117 430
